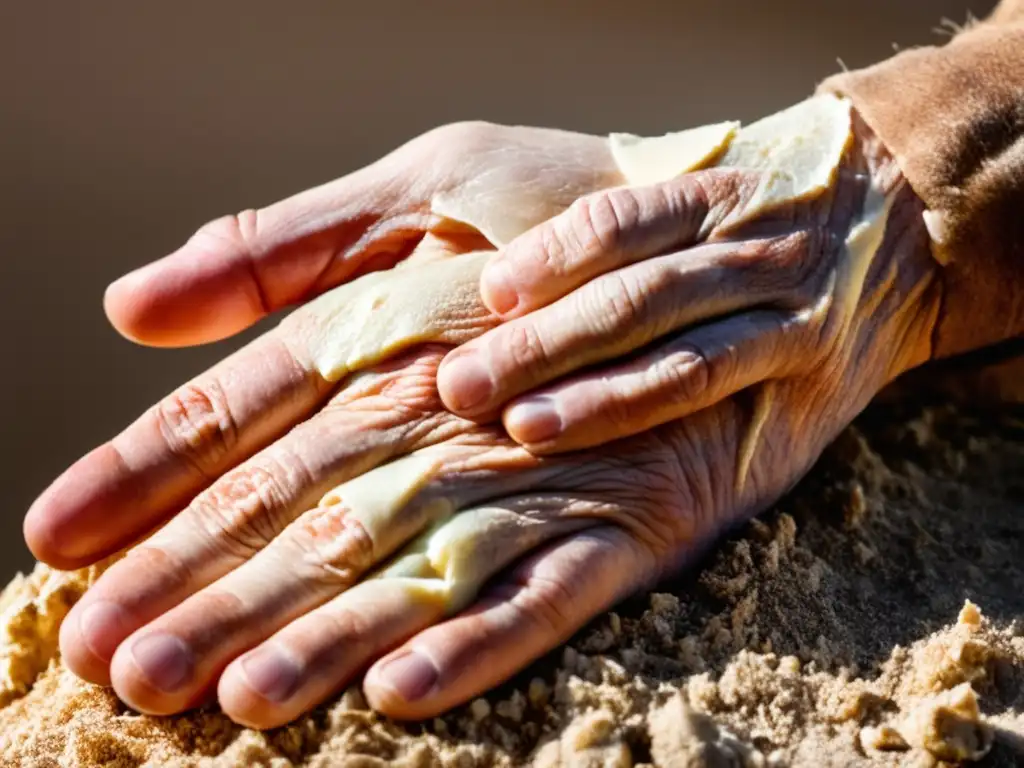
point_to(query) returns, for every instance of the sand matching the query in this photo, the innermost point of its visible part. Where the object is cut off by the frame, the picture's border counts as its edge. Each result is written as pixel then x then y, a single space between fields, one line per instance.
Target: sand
pixel 874 617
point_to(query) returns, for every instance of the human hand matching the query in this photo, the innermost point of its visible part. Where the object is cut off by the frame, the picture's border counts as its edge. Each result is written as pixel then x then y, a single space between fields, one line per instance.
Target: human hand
pixel 612 326
pixel 234 271
pixel 251 595
pixel 222 575
pixel 237 269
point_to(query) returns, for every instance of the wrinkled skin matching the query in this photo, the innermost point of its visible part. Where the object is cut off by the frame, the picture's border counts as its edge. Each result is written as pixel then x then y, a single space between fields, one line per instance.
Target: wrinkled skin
pixel 235 597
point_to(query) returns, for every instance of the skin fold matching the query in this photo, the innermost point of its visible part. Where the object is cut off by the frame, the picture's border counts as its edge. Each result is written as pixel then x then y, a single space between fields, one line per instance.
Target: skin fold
pixel 706 368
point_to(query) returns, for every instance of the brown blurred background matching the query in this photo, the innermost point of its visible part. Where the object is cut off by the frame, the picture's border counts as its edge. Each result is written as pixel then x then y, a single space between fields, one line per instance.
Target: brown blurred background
pixel 124 125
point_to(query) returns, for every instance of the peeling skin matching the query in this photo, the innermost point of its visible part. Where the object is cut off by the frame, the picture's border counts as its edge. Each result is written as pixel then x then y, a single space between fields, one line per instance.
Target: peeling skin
pixel 763 400
pixel 504 196
pixel 798 152
pixel 383 313
pixel 436 299
pixel 937 225
pixel 452 555
pixel 375 505
pixel 455 557
pixel 840 303
pixel 861 245
pixel 649 160
pixel 370 319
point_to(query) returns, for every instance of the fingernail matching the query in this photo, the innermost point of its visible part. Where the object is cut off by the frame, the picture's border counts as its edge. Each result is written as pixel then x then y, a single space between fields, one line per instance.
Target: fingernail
pixel 496 286
pixel 103 625
pixel 469 381
pixel 411 675
pixel 271 674
pixel 534 420
pixel 164 660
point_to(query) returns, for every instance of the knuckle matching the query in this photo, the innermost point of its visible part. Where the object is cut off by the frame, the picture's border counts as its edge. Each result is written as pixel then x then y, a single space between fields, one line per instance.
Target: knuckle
pixel 238 231
pixel 708 194
pixel 799 262
pixel 242 512
pixel 627 303
pixel 196 423
pixel 685 376
pixel 545 601
pixel 620 208
pixel 402 390
pixel 685 199
pixel 523 347
pixel 163 565
pixel 593 225
pixel 552 248
pixel 616 304
pixel 789 253
pixel 334 544
pixel 622 410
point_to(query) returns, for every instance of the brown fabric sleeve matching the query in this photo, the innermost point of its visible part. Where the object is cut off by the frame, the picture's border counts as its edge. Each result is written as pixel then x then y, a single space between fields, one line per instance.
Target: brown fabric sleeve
pixel 953 117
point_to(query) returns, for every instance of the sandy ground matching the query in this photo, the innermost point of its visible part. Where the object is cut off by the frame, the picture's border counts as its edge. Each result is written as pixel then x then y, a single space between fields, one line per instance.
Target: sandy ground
pixel 875 617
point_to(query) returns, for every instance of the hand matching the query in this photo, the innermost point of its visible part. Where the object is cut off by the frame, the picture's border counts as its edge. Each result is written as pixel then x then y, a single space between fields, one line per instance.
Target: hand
pixel 615 323
pixel 251 595
pixel 238 269
pixel 242 572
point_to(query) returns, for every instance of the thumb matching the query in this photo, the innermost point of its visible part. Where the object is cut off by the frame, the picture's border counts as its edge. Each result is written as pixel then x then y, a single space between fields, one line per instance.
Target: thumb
pixel 237 269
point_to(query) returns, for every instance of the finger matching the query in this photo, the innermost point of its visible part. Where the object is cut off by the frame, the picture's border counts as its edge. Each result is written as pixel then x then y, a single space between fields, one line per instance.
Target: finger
pixel 377 416
pixel 122 489
pixel 604 231
pixel 316 656
pixel 463 179
pixel 432 576
pixel 539 605
pixel 690 372
pixel 172 662
pixel 167 665
pixel 238 269
pixel 620 312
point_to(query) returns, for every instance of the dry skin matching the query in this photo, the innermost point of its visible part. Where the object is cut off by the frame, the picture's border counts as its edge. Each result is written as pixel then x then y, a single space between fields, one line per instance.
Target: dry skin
pixel 834 631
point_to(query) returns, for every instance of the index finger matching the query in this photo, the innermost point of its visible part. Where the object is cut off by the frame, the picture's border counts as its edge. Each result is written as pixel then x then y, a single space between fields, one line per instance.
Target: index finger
pixel 122 489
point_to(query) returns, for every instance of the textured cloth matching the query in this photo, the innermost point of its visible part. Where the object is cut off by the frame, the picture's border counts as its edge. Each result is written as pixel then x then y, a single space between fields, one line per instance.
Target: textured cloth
pixel 953 117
